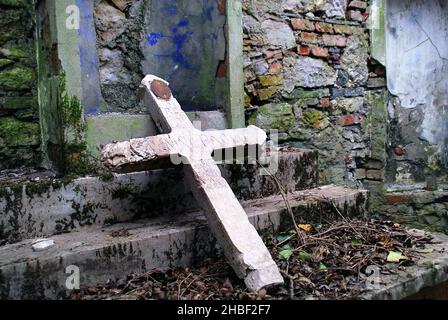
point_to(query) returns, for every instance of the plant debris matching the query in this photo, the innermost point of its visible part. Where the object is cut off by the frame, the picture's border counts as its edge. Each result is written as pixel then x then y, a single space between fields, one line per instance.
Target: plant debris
pixel 332 262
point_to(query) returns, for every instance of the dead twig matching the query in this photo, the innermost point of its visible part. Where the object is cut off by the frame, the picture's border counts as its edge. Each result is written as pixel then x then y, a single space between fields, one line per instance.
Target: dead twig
pixel 299 233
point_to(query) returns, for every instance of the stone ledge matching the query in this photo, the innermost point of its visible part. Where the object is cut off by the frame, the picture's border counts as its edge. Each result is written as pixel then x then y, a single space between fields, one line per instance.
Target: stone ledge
pixel 169 241
pixel 430 271
pixel 48 207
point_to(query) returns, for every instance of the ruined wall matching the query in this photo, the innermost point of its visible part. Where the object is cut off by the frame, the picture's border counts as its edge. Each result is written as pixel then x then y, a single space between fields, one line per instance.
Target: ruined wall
pixel 19 125
pixel 417 64
pixel 181 41
pixel 309 74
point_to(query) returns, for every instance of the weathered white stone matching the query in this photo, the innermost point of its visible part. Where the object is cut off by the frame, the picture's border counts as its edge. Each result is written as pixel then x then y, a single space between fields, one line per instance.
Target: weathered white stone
pixel 336 8
pixel 348 105
pixel 109 20
pixel 278 34
pixel 354 60
pixel 42 244
pixel 250 24
pixel 111 68
pixel 417 63
pixel 303 6
pixel 307 72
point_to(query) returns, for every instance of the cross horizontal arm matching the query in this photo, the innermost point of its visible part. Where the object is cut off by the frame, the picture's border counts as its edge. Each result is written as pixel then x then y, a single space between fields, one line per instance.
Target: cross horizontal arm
pixel 137 154
pixel 226 139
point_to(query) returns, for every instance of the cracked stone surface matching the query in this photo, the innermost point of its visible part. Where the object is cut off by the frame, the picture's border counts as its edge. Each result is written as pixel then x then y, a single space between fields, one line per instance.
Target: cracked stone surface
pixel 336 8
pixel 354 60
pixel 307 72
pixel 417 64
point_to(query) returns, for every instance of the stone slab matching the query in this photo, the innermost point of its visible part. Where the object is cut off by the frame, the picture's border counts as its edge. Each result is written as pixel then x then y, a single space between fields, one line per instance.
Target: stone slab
pixel 47 207
pixel 430 271
pixel 169 241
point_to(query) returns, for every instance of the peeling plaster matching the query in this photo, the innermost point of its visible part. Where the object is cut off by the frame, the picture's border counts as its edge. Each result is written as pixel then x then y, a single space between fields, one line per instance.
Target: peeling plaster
pixel 417 63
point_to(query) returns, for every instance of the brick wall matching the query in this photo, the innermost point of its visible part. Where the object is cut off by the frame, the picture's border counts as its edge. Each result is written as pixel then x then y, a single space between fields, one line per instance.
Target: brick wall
pixel 309 74
pixel 19 125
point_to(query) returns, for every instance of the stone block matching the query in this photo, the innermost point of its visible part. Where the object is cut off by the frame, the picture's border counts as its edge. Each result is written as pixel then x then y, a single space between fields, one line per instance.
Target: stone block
pixel 302 24
pixel 309 37
pixel 334 40
pixel 376 175
pixel 324 27
pixel 319 52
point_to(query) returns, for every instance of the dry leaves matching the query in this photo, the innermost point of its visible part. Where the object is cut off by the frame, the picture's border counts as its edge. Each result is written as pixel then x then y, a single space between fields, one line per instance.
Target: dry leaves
pixel 330 263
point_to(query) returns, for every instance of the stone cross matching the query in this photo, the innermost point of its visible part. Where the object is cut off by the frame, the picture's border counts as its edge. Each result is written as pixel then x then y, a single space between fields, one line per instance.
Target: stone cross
pixel 243 247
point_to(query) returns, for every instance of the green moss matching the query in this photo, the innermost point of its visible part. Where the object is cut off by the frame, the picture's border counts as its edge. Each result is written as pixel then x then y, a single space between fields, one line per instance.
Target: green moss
pixel 42 187
pixel 278 116
pixel 268 81
pixel 122 192
pixel 247 100
pixel 5 62
pixel 18 79
pixel 76 156
pixel 106 177
pixel 377 192
pixel 15 3
pixel 376 124
pixel 266 94
pixel 304 97
pixel 77 161
pixel 14 53
pixel 16 133
pixel 315 118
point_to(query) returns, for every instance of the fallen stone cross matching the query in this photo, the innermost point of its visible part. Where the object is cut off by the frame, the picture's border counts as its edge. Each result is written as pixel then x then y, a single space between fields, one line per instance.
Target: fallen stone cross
pixel 182 143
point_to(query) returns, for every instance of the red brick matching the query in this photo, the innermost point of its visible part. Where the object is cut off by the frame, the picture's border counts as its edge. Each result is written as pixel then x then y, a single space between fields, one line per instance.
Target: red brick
pixel 302 24
pixel 275 68
pixel 303 50
pixel 319 52
pixel 399 151
pixel 355 15
pixel 350 120
pixel 309 37
pixel 334 40
pixel 222 7
pixel 324 27
pixel 222 70
pixel 268 54
pixel 325 103
pixel 393 199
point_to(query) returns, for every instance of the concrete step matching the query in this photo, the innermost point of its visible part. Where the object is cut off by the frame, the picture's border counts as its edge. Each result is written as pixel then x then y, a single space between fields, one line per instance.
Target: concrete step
pixel 47 207
pixel 175 240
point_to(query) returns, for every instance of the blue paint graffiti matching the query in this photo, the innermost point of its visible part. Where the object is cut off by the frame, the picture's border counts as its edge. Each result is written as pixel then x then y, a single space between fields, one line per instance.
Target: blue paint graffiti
pixel 153 38
pixel 183 23
pixel 178 39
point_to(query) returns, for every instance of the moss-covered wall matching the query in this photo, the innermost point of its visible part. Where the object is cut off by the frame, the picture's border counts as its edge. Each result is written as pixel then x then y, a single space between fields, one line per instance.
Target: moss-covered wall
pixel 19 121
pixel 310 74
